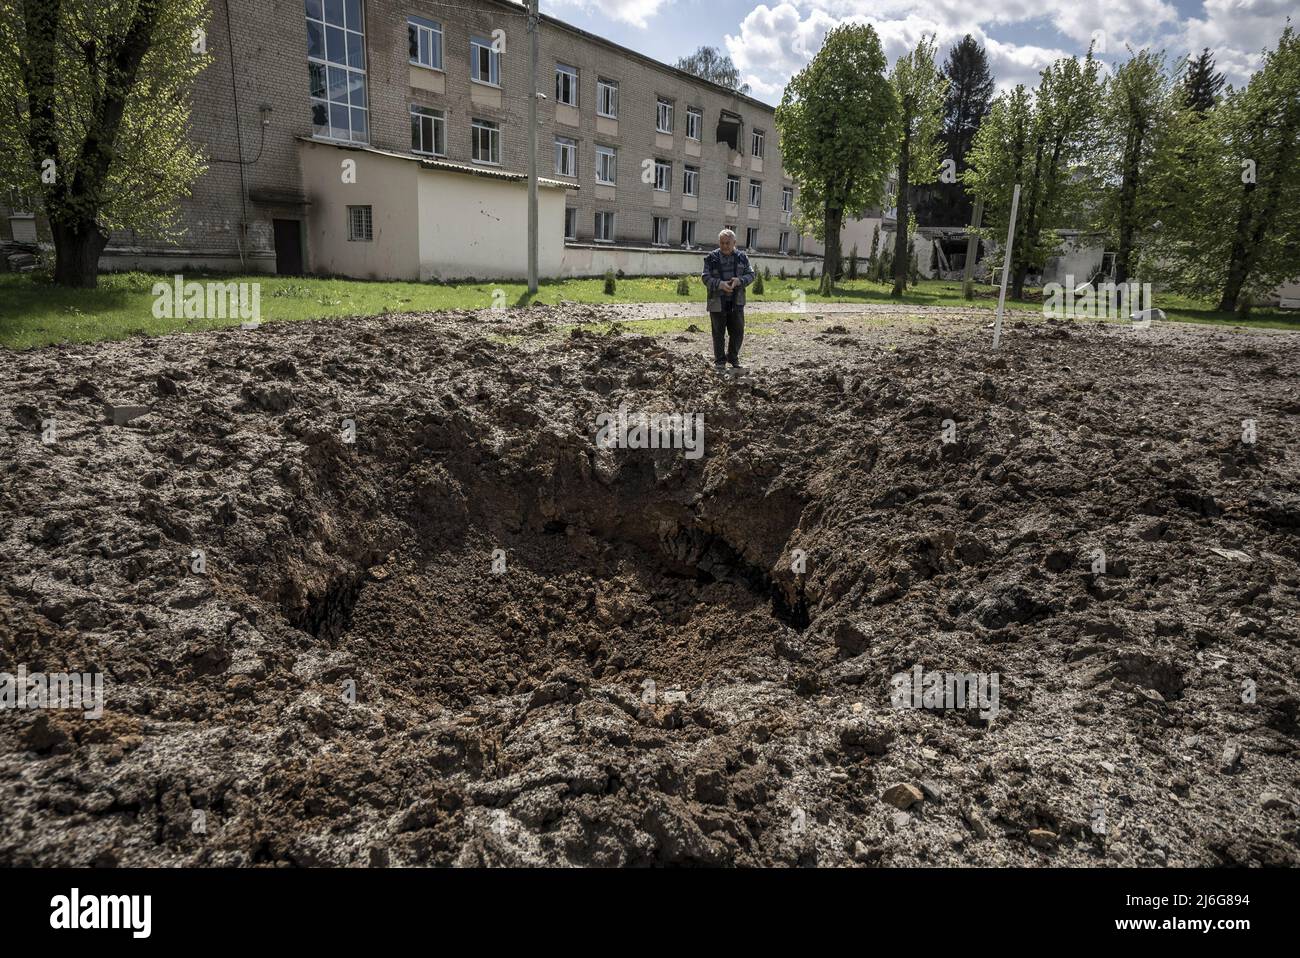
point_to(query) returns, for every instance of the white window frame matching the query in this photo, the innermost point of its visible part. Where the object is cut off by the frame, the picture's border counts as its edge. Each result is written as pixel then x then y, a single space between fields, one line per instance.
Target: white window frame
pixel 755 194
pixel 663 176
pixel 783 244
pixel 688 233
pixel 433 30
pixel 564 70
pixel 606 157
pixel 787 199
pixel 733 189
pixel 570 214
pixel 493 129
pixel 566 148
pixel 664 115
pixel 691 181
pixel 660 230
pixel 361 224
pixel 695 119
pixel 346 70
pixel 608 217
pixel 757 143
pixel 607 92
pixel 437 121
pixel 476 45
pixel 751 238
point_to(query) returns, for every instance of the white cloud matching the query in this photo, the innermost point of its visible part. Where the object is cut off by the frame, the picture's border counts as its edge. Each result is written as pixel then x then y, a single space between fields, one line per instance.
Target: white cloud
pixel 638 13
pixel 775 40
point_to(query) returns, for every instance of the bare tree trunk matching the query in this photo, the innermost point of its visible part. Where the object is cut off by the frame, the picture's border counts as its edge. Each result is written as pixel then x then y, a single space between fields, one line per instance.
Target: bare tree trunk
pixel 76 254
pixel 831 257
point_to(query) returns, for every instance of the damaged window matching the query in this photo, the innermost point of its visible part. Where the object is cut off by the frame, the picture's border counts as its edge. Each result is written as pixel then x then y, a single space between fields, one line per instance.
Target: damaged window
pixel 729 130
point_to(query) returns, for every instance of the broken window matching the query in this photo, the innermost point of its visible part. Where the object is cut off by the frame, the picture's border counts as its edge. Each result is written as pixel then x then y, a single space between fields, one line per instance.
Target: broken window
pixel 730 128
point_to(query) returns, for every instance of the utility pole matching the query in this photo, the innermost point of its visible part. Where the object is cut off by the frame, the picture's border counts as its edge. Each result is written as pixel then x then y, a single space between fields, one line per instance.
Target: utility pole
pixel 1006 267
pixel 533 29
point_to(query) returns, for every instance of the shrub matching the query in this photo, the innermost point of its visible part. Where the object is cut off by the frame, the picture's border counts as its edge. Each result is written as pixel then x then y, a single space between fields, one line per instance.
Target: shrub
pixel 782 274
pixel 812 273
pixel 611 285
pixel 800 273
pixel 758 284
pixel 683 287
pixel 853 262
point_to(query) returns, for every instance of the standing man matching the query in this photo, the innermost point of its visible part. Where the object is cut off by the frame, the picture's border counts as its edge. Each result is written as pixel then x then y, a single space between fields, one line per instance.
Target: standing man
pixel 726 274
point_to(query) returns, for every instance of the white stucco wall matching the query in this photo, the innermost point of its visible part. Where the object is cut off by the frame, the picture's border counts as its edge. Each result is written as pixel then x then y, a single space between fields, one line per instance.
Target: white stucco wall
pixel 386 184
pixel 476 227
pixel 595 260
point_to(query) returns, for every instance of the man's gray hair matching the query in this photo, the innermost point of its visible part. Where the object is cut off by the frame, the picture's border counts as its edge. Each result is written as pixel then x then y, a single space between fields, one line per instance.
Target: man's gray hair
pixel 731 233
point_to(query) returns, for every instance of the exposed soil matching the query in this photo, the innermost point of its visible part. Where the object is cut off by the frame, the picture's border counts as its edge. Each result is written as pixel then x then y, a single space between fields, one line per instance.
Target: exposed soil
pixel 507 717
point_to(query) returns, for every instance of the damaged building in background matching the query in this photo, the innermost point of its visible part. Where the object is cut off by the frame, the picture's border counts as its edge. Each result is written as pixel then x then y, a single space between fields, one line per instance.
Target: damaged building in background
pixel 387 139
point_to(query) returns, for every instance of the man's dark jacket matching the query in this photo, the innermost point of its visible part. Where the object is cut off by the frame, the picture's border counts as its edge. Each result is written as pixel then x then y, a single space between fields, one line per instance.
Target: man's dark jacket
pixel 713 278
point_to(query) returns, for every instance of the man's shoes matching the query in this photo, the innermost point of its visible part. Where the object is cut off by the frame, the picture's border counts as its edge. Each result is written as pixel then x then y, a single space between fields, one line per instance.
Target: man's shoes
pixel 719 367
pixel 734 363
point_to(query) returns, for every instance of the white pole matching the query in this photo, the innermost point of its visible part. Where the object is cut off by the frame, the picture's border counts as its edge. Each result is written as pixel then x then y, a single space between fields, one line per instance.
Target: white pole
pixel 533 27
pixel 1006 267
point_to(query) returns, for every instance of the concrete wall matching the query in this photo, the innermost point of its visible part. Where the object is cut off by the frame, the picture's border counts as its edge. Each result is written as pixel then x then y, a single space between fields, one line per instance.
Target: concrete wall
pixel 389 186
pixel 477 228
pixel 594 260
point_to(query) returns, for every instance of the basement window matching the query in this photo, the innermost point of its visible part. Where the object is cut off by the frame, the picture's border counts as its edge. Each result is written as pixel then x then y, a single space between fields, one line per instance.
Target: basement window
pixel 661 226
pixel 361 224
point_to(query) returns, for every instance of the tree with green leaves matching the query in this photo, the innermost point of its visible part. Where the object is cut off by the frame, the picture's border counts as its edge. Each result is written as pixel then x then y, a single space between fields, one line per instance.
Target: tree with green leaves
pixel 919 88
pixel 838 123
pixel 1202 84
pixel 98 115
pixel 1044 142
pixel 970 93
pixel 710 63
pixel 1231 225
pixel 1136 140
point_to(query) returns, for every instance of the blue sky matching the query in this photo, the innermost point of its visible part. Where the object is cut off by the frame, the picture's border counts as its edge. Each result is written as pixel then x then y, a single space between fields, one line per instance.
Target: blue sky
pixel 771 40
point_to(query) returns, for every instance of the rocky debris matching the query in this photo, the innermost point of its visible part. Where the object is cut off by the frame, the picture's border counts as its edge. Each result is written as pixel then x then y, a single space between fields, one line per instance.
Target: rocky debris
pixel 903 796
pixel 1042 838
pixel 470 637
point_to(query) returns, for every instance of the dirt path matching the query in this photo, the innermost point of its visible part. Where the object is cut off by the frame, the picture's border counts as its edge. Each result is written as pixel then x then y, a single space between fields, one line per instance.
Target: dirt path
pixel 472 636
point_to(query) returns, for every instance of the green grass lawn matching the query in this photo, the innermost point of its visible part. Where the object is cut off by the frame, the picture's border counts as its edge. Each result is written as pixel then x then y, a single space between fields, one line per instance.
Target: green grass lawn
pixel 34 313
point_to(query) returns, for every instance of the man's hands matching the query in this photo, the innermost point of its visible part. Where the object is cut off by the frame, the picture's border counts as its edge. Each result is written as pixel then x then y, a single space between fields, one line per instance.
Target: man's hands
pixel 730 285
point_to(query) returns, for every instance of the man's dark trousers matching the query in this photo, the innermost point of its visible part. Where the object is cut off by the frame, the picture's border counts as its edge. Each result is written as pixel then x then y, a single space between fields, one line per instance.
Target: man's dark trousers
pixel 728 324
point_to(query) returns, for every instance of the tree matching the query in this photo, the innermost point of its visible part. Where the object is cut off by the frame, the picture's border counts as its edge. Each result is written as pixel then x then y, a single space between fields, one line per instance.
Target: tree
pixel 96 127
pixel 1232 224
pixel 710 63
pixel 1137 113
pixel 1041 141
pixel 1201 84
pixel 919 89
pixel 838 122
pixel 970 93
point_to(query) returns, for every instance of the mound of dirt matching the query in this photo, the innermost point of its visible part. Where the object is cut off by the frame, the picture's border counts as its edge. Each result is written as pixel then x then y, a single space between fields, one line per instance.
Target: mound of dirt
pixel 370 592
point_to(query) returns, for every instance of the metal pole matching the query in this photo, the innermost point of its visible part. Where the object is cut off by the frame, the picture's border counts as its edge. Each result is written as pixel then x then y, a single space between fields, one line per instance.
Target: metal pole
pixel 972 250
pixel 532 145
pixel 1006 267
